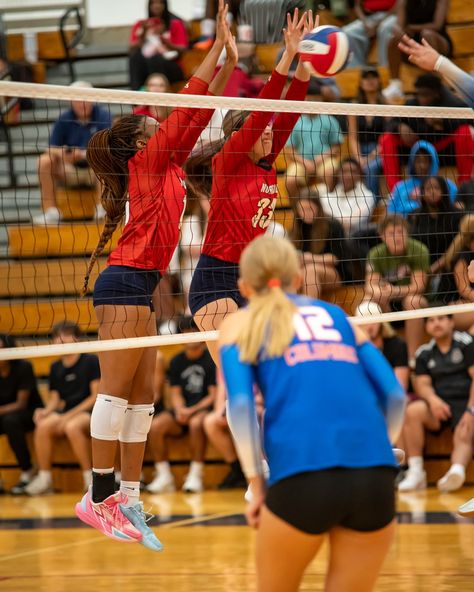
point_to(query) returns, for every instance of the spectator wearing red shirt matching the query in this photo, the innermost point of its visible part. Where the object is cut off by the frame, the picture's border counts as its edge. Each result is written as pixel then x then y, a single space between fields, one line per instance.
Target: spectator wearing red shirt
pixel 156 44
pixel 156 83
pixel 140 163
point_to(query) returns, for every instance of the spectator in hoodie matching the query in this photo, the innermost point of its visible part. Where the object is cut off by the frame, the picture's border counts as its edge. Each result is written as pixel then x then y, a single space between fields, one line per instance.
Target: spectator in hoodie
pixel 422 164
pixel 351 202
pixel 446 135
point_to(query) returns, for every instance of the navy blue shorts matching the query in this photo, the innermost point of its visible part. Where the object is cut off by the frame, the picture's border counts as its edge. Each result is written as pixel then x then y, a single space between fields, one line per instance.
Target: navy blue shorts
pixel 213 280
pixel 119 284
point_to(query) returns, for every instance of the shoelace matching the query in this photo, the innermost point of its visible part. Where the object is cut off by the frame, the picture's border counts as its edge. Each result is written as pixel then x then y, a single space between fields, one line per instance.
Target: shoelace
pixel 146 514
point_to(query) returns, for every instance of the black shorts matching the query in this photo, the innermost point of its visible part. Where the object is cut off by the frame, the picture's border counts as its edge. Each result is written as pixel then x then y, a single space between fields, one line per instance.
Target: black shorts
pixel 119 284
pixel 458 408
pixel 213 280
pixel 317 501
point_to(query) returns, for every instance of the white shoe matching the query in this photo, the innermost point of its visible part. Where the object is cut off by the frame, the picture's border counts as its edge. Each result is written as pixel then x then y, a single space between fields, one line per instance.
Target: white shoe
pixel 467 509
pixel 394 90
pixel 413 480
pixel 162 484
pixel 40 485
pixel 452 481
pixel 193 483
pixel 50 216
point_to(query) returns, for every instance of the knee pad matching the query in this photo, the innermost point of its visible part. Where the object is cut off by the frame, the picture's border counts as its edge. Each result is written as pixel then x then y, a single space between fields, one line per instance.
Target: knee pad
pixel 137 423
pixel 108 417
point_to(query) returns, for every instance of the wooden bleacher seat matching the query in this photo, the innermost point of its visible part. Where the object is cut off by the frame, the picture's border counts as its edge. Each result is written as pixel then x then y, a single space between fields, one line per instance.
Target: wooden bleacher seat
pixel 76 203
pixel 459 12
pixel 267 54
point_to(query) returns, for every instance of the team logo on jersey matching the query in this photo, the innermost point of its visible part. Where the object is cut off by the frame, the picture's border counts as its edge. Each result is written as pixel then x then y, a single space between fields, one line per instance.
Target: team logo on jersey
pixel 431 364
pixel 456 356
pixel 268 188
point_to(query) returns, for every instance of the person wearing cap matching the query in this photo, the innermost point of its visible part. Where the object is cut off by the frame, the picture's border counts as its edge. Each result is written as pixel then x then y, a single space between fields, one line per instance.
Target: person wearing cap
pixel 375 20
pixel 446 135
pixel 314 146
pixel 64 162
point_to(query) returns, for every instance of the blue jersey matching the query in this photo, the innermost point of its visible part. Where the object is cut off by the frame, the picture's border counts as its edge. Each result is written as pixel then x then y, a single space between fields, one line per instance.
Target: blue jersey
pixel 322 409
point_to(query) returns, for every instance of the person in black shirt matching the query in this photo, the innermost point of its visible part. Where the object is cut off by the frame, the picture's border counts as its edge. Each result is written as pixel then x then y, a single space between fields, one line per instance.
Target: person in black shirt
pixel 19 398
pixel 320 240
pixel 444 372
pixel 192 380
pixel 73 384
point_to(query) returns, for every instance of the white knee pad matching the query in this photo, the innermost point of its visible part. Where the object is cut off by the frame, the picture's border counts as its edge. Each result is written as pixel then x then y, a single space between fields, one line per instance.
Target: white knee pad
pixel 137 423
pixel 108 417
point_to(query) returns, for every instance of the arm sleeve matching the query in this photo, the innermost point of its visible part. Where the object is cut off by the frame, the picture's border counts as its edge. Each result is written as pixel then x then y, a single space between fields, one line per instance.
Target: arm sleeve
pixel 421 365
pixel 399 358
pixel 27 378
pixel 94 368
pixel 285 122
pixel 460 80
pixel 390 393
pixel 133 40
pixel 57 136
pixel 239 381
pixel 173 373
pixel 469 355
pixel 178 34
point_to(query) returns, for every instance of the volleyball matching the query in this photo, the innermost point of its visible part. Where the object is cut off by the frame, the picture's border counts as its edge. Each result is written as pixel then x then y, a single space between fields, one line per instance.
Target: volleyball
pixel 325 51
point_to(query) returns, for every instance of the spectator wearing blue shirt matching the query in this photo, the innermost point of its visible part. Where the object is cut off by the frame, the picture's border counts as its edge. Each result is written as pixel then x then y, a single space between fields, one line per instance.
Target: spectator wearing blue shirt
pixel 313 146
pixel 64 162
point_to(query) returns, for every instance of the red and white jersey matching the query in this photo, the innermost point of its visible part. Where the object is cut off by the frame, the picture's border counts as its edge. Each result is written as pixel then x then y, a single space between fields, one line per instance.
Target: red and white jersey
pixel 244 194
pixel 157 188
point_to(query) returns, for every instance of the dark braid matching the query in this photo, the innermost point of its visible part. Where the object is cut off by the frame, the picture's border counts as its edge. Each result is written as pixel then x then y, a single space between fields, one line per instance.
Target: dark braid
pixel 108 153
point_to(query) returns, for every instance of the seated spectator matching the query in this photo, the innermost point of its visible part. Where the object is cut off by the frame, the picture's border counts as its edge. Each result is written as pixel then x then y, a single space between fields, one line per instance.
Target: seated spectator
pixel 375 21
pixel 444 371
pixel 64 162
pixel 268 17
pixel 73 384
pixel 324 249
pixel 435 224
pixel 448 136
pixel 192 379
pixel 156 83
pixel 218 434
pixel 314 145
pixel 464 285
pixel 396 275
pixel 350 202
pixel 419 20
pixel 365 131
pixel 466 194
pixel 156 44
pixel 422 163
pixel 387 341
pixel 19 398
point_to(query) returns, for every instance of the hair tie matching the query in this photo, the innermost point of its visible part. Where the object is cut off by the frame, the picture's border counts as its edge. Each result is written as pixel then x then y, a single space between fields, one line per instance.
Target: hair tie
pixel 274 283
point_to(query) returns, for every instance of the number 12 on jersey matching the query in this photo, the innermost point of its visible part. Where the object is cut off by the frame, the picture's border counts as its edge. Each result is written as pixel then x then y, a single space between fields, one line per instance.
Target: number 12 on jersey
pixel 313 323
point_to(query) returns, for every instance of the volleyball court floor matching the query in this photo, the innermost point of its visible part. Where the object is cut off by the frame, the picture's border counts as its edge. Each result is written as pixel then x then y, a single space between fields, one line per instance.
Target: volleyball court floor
pixel 208 548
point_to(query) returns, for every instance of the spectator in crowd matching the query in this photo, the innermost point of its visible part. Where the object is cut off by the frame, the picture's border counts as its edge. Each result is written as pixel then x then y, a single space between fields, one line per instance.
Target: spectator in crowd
pixel 389 343
pixel 218 434
pixel 156 44
pixel 314 146
pixel 192 378
pixel 267 18
pixel 435 224
pixel 73 384
pixel 444 372
pixel 321 242
pixel 156 83
pixel 448 136
pixel 351 202
pixel 396 275
pixel 365 131
pixel 424 19
pixel 64 162
pixel 466 193
pixel 464 285
pixel 19 398
pixel 423 163
pixel 375 20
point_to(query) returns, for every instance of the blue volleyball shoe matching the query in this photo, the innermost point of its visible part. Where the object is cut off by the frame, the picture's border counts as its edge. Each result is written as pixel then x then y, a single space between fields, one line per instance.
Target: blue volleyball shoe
pixel 138 517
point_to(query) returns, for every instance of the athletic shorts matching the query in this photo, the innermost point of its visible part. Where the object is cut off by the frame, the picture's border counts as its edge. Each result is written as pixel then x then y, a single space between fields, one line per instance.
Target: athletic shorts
pixel 317 501
pixel 213 280
pixel 119 284
pixel 458 408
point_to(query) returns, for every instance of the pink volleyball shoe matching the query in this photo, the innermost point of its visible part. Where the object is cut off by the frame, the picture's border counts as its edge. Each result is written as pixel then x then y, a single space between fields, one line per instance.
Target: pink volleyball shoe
pixel 108 518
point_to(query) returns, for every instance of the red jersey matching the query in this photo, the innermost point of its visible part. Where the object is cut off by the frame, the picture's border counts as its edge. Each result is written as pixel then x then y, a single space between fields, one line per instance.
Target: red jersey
pixel 376 5
pixel 244 194
pixel 157 189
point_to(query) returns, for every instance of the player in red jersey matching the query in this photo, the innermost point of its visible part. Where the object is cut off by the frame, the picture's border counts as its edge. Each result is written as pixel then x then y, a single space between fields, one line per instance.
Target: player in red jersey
pixel 138 162
pixel 244 187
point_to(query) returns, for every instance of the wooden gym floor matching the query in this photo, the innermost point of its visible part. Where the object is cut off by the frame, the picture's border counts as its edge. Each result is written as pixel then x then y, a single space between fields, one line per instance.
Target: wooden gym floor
pixel 208 549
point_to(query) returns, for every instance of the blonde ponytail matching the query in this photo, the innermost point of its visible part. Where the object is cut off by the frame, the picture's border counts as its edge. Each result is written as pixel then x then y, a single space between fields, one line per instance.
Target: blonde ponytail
pixel 268 266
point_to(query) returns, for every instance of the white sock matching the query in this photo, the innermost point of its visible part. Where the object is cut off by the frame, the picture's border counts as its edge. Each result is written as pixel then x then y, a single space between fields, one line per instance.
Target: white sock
pixel 395 81
pixel 103 471
pixel 163 468
pixel 132 490
pixel 458 468
pixel 415 463
pixel 196 468
pixel 45 475
pixel 87 476
pixel 26 475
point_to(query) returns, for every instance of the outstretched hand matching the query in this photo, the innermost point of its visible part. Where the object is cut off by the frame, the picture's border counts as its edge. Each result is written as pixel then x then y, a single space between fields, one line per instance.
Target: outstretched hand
pixel 222 26
pixel 422 55
pixel 295 31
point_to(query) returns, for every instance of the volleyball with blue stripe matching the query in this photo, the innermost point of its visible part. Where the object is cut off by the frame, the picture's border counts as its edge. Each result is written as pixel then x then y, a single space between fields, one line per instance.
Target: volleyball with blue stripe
pixel 325 51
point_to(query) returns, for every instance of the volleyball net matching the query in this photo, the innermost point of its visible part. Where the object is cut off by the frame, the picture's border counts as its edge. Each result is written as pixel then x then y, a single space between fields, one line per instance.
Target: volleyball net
pixel 375 197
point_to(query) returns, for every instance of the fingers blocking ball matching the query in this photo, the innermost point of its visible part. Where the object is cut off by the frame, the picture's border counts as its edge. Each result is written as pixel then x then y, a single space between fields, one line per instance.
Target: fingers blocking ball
pixel 325 51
